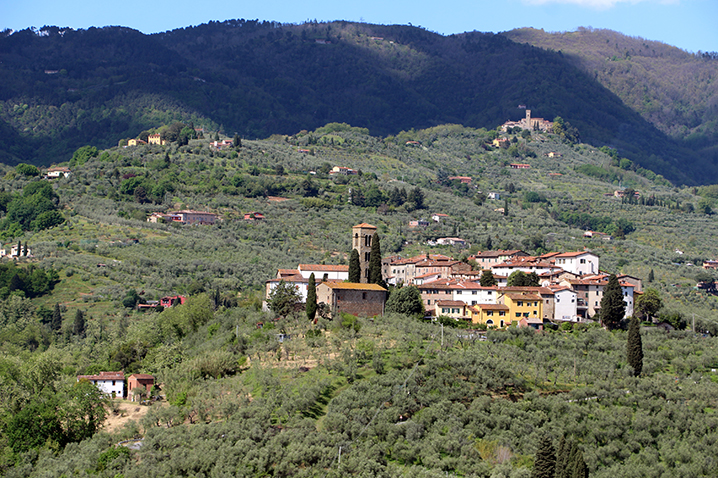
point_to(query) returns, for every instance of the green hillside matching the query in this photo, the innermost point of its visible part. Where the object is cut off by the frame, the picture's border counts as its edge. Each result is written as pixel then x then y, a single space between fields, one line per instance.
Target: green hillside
pixel 399 397
pixel 62 88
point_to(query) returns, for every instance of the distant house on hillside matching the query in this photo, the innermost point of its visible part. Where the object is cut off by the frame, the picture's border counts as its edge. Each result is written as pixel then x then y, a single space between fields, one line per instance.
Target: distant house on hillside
pixel 156 139
pixel 109 383
pixel 352 298
pixel 58 171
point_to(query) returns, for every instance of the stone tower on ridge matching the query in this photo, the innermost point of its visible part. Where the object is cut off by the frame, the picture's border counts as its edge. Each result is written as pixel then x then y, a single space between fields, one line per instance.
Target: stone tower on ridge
pixel 362 235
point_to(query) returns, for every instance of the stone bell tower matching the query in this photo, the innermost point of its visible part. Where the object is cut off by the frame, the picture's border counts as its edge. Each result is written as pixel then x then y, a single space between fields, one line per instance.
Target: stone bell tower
pixel 362 235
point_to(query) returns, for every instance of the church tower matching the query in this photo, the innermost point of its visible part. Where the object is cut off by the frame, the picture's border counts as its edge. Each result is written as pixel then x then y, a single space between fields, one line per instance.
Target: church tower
pixel 362 235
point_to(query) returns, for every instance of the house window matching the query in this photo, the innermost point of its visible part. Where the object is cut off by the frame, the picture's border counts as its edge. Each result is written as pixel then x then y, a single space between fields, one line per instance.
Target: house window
pixel 502 313
pixel 489 312
pixel 458 292
pixel 113 383
pixel 363 296
pixel 526 314
pixel 535 303
pixel 455 311
pixel 473 302
pixel 489 322
pixel 489 293
pixel 473 292
pixel 582 261
pixel 518 314
pixel 366 256
pixel 444 310
pixel 367 241
pixel 520 303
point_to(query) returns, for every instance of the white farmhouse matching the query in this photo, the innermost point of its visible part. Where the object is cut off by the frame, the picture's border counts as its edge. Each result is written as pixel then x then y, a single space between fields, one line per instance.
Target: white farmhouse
pixel 111 384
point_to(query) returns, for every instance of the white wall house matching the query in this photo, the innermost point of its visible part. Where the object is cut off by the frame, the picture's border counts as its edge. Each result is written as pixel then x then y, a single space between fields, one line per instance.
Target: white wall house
pixel 581 262
pixel 110 383
pixel 324 272
pixel 472 293
pixel 565 304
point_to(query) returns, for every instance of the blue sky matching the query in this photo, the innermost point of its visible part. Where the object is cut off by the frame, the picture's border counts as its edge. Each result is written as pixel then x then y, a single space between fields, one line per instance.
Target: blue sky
pixel 687 24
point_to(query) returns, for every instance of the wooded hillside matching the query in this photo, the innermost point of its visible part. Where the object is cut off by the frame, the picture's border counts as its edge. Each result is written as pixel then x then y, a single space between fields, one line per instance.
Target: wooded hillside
pixel 62 89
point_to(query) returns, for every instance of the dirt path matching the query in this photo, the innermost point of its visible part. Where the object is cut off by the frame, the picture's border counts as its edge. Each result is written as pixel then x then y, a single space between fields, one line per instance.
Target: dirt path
pixel 128 411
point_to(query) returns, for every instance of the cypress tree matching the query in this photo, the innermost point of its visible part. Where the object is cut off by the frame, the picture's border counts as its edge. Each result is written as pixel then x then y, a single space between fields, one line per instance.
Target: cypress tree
pixel 578 466
pixel 311 306
pixel 612 306
pixel 56 322
pixel 545 462
pixel 489 244
pixel 354 267
pixel 78 327
pixel 651 276
pixel 375 262
pixel 634 347
pixel 562 456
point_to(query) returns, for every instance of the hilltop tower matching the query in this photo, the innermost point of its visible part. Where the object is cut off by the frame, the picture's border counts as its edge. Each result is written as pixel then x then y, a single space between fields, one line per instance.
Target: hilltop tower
pixel 362 235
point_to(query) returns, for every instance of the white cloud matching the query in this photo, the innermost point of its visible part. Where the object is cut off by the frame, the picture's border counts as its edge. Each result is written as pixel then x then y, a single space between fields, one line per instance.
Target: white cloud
pixel 597 4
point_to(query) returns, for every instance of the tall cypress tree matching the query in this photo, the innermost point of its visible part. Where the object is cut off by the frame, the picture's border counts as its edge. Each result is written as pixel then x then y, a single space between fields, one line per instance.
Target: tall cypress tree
pixel 579 469
pixel 354 267
pixel 634 347
pixel 612 306
pixel 375 262
pixel 79 325
pixel 545 462
pixel 311 306
pixel 56 322
pixel 562 455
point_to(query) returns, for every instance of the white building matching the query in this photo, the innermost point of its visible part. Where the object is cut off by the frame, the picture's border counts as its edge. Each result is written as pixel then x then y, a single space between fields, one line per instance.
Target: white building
pixel 324 272
pixel 580 262
pixel 111 384
pixel 565 302
pixel 472 293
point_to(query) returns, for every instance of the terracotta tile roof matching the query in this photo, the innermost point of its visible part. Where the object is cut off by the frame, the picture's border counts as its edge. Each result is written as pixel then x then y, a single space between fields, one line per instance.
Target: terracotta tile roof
pixel 492 306
pixel 364 225
pixel 324 267
pixel 104 376
pixel 141 376
pixel 573 254
pixel 450 303
pixel 522 296
pixel 352 286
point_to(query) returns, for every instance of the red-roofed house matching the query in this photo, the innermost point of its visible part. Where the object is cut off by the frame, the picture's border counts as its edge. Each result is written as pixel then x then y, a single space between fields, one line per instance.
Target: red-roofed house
pixel 352 298
pixel 110 383
pixel 455 309
pixel 493 315
pixel 324 271
pixel 140 380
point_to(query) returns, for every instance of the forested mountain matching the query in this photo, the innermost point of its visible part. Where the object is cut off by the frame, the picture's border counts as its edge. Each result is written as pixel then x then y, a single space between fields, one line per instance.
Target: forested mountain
pixel 673 89
pixel 62 88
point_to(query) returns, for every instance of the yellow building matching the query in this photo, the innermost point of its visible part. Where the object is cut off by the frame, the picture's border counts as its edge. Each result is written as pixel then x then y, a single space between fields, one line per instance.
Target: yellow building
pixel 522 305
pixel 493 315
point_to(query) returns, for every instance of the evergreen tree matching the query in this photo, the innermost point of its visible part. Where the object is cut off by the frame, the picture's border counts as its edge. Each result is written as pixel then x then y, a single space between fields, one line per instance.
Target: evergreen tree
pixel 506 207
pixel 489 244
pixel 487 279
pixel 578 466
pixel 634 348
pixel 56 322
pixel 651 277
pixel 311 305
pixel 416 196
pixel 545 462
pixel 562 458
pixel 236 142
pixel 354 267
pixel 78 327
pixel 612 306
pixel 375 262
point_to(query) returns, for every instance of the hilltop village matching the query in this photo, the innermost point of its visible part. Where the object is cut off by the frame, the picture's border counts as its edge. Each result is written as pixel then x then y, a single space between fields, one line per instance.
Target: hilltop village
pixel 493 289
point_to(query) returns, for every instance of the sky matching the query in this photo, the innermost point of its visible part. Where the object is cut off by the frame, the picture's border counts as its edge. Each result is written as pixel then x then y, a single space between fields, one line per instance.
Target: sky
pixel 687 24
